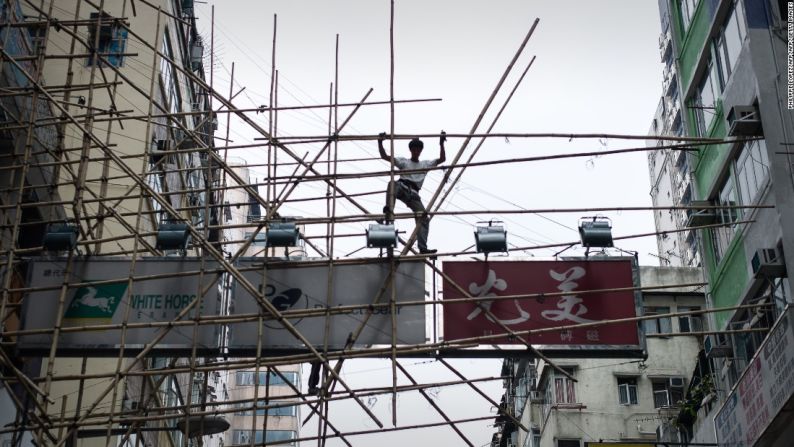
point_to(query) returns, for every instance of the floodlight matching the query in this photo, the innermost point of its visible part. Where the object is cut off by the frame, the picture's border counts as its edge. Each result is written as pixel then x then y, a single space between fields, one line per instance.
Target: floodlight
pixel 491 238
pixel 198 426
pixel 381 236
pixel 173 236
pixel 60 237
pixel 282 234
pixel 595 232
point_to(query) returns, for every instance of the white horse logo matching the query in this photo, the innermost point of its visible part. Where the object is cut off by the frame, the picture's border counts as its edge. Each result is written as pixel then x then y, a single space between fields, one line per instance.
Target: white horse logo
pixel 90 299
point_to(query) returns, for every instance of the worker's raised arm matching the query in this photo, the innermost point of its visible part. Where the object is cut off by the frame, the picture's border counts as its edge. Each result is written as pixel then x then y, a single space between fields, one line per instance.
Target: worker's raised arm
pixel 443 155
pixel 383 154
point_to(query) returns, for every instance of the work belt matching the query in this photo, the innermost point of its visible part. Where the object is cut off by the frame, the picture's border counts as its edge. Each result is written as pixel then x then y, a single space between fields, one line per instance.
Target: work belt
pixel 410 184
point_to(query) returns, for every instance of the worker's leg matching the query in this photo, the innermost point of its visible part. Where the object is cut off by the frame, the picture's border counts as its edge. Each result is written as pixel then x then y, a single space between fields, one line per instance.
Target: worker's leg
pixel 388 210
pixel 414 202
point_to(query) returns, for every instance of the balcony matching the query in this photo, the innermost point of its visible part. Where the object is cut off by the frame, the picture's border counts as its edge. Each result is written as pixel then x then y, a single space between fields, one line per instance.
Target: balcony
pixel 669 81
pixel 665 45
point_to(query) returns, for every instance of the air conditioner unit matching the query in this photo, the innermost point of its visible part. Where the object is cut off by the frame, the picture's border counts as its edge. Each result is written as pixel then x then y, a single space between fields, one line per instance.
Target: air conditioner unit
pixel 767 262
pixel 717 345
pixel 536 396
pixel 699 217
pixel 677 382
pixel 744 121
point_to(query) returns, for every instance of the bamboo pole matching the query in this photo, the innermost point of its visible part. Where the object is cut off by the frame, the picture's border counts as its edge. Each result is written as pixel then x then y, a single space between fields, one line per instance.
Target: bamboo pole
pixel 319 177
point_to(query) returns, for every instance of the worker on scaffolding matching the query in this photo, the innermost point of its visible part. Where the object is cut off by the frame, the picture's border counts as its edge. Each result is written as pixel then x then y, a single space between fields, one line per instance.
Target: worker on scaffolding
pixel 406 189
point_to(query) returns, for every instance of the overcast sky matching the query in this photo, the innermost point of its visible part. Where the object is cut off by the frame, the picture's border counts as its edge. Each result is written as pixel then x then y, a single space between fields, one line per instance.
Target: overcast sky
pixel 597 70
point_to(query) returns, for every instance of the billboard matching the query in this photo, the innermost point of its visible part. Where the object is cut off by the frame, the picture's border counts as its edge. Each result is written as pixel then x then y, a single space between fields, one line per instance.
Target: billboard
pixel 762 391
pixel 100 294
pixel 566 279
pixel 297 288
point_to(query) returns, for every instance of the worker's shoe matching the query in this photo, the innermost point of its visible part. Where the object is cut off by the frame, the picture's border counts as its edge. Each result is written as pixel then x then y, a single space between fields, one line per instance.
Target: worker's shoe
pixel 428 251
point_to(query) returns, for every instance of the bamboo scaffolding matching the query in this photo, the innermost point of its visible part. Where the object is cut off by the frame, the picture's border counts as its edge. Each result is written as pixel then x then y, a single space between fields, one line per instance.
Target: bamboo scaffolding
pixel 163 412
pixel 92 206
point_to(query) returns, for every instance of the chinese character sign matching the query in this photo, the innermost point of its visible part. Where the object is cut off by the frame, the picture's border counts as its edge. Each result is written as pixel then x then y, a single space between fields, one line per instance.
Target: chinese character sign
pixel 566 280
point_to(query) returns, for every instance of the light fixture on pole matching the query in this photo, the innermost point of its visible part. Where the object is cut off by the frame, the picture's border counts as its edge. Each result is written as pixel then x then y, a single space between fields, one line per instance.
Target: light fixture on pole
pixel 198 426
pixel 173 236
pixel 595 232
pixel 282 234
pixel 381 236
pixel 490 238
pixel 60 237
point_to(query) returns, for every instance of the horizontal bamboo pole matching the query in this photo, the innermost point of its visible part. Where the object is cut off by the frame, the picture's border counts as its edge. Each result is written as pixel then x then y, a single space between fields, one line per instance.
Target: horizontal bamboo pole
pixel 71 56
pixel 435 348
pixel 568 136
pixel 680 146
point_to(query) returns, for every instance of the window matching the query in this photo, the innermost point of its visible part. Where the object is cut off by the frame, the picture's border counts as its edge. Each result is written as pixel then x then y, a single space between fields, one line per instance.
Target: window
pixel 170 77
pixel 690 323
pixel 246 378
pixel 734 33
pixel 705 99
pixel 522 392
pixel 260 239
pixel 627 390
pixel 659 325
pixel 112 40
pixel 535 437
pixel 722 236
pixel 564 391
pixel 687 8
pixel 246 410
pixel 244 436
pixel 254 210
pixel 752 170
pixel 665 395
pixel 728 44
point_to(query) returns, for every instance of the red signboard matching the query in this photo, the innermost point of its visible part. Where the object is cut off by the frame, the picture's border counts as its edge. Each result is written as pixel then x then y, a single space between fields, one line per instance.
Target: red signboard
pixel 567 280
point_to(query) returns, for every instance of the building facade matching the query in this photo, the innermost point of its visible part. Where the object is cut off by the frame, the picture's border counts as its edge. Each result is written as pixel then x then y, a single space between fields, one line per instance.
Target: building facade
pixel 669 169
pixel 730 56
pixel 611 399
pixel 105 107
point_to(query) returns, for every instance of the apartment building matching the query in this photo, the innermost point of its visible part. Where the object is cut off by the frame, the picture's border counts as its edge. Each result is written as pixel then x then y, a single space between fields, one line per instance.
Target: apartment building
pixel 611 399
pixel 669 168
pixel 733 84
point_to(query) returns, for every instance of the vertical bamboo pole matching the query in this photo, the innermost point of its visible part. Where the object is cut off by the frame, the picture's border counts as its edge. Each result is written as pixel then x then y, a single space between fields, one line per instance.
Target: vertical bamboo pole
pixel 118 379
pixel 76 210
pixel 392 204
